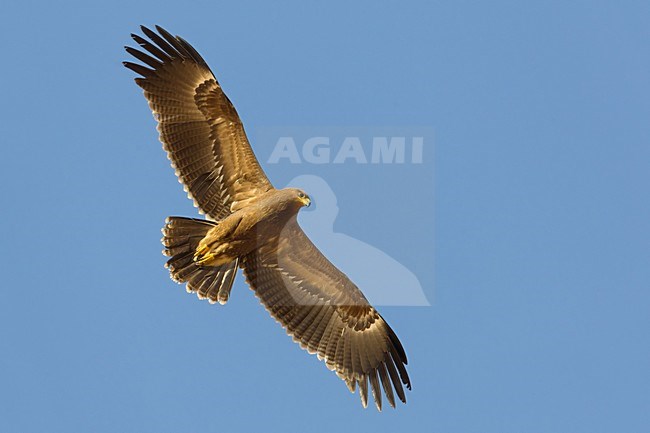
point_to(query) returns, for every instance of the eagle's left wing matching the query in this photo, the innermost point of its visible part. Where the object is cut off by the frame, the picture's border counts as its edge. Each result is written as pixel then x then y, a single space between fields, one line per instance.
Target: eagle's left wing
pixel 327 314
pixel 199 127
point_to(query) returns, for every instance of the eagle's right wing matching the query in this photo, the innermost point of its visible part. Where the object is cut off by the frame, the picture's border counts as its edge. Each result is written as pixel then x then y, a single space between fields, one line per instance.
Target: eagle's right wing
pixel 199 127
pixel 327 314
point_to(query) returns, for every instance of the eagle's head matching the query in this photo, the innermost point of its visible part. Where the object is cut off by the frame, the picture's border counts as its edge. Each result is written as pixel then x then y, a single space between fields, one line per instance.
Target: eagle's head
pixel 301 197
pixel 297 198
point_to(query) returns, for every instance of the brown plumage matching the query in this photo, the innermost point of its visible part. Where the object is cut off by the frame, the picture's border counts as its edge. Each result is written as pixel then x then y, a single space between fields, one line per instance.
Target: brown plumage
pixel 253 226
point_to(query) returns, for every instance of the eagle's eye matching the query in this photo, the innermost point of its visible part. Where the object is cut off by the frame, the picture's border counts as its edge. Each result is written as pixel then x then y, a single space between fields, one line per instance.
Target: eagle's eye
pixel 301 195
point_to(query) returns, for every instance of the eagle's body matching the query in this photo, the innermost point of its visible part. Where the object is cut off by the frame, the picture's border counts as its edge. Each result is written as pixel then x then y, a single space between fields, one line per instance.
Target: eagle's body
pixel 253 226
pixel 244 230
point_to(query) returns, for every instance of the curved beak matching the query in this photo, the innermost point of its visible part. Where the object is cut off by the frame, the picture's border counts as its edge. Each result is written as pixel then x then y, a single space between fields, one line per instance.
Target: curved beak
pixel 306 201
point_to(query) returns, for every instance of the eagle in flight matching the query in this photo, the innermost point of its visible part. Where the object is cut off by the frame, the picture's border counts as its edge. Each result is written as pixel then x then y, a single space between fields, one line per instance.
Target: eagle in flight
pixel 253 226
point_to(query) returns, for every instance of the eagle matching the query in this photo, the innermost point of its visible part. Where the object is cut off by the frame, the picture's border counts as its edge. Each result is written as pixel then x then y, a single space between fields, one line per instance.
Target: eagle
pixel 251 225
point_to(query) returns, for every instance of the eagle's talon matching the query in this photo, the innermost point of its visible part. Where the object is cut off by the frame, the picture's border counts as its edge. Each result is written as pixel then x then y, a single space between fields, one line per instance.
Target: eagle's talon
pixel 202 259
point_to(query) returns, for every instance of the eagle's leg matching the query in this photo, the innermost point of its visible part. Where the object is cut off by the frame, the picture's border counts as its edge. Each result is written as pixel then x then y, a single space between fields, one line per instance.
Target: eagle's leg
pixel 212 252
pixel 220 245
pixel 203 256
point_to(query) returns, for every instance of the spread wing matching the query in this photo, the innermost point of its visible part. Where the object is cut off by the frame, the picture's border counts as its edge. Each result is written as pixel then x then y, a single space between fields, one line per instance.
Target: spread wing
pixel 198 125
pixel 327 314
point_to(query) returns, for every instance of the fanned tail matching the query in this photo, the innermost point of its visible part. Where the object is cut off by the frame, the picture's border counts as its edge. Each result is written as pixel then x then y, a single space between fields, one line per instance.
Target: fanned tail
pixel 181 236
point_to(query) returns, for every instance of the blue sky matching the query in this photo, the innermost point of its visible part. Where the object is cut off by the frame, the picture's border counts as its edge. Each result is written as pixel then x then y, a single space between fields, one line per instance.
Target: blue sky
pixel 529 231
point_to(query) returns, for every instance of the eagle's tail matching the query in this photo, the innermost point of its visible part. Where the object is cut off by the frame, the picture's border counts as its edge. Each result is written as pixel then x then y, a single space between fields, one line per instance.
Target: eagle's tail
pixel 181 236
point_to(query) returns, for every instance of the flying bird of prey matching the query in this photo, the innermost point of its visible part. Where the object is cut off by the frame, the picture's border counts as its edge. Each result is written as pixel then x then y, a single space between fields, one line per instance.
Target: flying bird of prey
pixel 253 226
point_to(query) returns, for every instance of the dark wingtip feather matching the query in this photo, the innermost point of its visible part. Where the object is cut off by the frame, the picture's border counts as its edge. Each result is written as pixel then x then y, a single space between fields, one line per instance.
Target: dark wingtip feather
pixel 394 377
pixel 363 390
pixel 151 48
pixel 144 58
pixel 160 29
pixel 138 69
pixel 397 344
pixel 400 368
pixel 162 43
pixel 174 42
pixel 193 53
pixel 385 381
pixel 376 389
